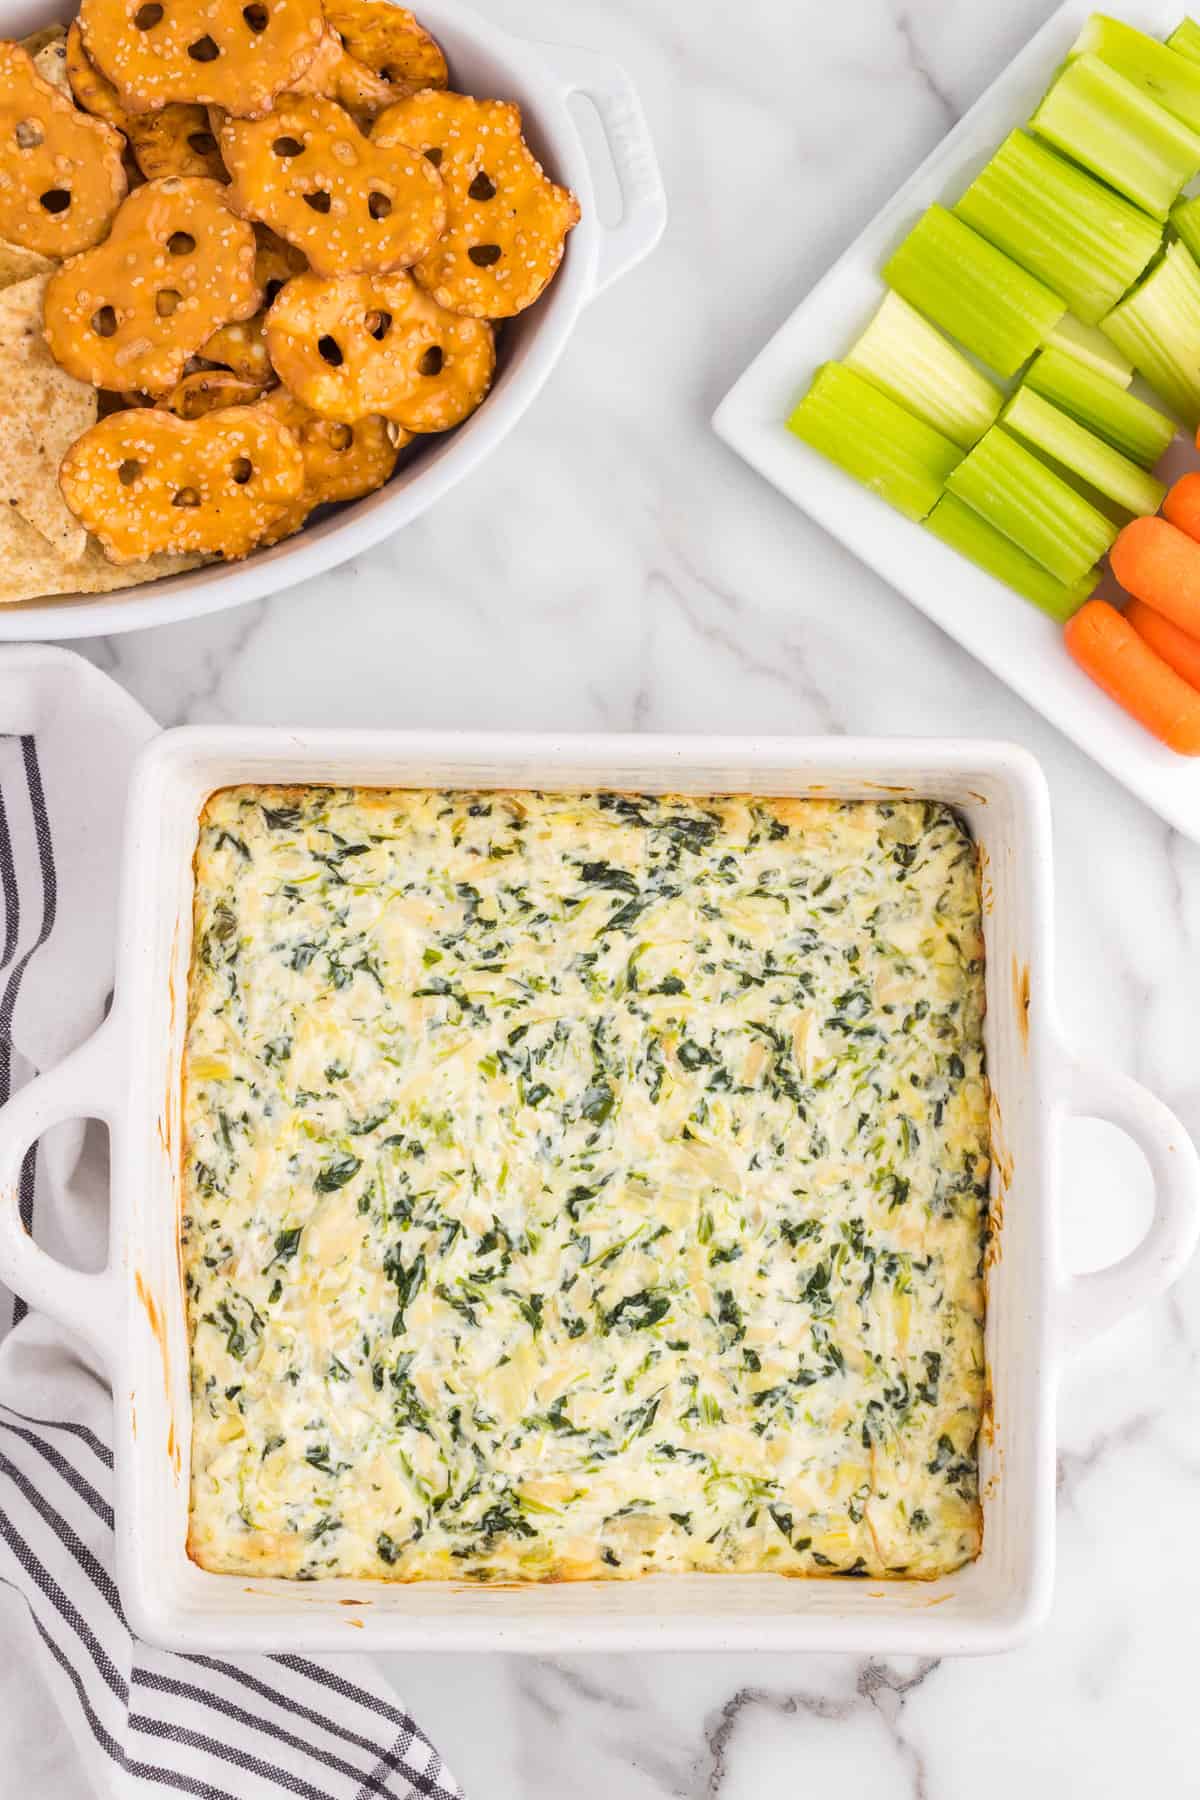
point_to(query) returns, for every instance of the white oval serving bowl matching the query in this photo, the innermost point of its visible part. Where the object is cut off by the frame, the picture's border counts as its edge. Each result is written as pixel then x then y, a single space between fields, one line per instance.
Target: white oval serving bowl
pixel 541 78
pixel 133 1315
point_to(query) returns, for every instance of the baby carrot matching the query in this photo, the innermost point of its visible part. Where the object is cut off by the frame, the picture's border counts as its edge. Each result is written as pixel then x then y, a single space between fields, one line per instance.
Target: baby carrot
pixel 1179 651
pixel 1182 504
pixel 1111 652
pixel 1156 562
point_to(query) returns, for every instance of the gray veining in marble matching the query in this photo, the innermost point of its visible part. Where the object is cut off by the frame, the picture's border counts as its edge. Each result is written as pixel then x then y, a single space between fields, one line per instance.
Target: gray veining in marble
pixel 617 568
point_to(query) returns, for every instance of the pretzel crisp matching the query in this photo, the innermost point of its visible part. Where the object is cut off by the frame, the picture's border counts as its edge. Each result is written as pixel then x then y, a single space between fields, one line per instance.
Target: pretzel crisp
pixel 209 52
pixel 109 402
pixel 308 172
pixel 242 348
pixel 507 221
pixel 208 391
pixel 145 481
pixel 364 344
pixel 61 175
pixel 275 261
pixel 93 91
pixel 391 42
pixel 176 265
pixel 176 141
pixel 341 462
pixel 334 74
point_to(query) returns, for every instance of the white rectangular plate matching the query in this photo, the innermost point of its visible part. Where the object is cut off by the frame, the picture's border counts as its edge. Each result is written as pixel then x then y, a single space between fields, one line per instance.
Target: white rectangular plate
pixel 1014 640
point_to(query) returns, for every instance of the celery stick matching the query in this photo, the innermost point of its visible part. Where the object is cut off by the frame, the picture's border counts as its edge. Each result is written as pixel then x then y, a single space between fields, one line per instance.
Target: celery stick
pixel 1110 126
pixel 1042 426
pixel 1186 40
pixel 973 291
pixel 1171 80
pixel 1078 237
pixel 965 531
pixel 1122 420
pixel 1091 348
pixel 1028 503
pixel 1185 222
pixel 900 458
pixel 1158 328
pixel 1117 514
pixel 904 355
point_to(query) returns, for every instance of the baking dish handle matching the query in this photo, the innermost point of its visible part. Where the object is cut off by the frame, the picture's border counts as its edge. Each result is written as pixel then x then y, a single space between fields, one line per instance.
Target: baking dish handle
pixel 643 196
pixel 79 1087
pixel 1089 1304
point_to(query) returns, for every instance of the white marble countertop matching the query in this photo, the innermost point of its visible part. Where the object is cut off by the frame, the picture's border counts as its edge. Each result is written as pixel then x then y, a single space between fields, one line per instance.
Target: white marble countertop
pixel 617 568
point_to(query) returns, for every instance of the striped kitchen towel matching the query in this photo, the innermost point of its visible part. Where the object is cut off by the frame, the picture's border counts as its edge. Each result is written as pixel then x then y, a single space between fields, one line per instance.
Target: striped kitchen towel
pixel 85 1708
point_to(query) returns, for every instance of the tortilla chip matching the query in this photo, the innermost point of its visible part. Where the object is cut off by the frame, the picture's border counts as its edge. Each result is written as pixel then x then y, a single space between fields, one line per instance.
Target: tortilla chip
pixel 29 482
pixel 30 568
pixel 51 64
pixel 37 40
pixel 18 264
pixel 44 410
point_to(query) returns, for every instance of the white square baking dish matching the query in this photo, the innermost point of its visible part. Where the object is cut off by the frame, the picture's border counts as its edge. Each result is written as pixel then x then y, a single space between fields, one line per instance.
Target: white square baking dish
pixel 133 1313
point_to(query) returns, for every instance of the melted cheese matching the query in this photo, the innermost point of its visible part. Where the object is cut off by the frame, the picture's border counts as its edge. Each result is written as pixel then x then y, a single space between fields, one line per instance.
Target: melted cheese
pixel 583 1186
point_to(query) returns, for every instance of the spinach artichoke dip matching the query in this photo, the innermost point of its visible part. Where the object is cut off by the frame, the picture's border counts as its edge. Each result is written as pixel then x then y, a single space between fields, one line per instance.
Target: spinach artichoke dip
pixel 583 1185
